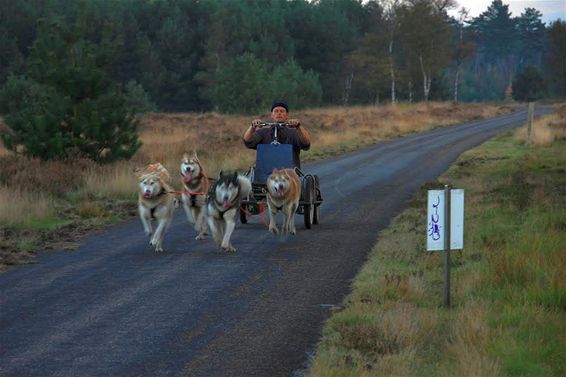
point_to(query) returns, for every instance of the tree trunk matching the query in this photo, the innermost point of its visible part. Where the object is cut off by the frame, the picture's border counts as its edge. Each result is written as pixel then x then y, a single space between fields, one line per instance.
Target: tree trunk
pixel 392 70
pixel 347 88
pixel 456 83
pixel 426 80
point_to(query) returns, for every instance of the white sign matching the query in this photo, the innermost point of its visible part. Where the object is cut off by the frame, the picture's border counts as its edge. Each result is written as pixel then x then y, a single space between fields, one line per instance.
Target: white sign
pixel 435 218
pixel 436 227
pixel 456 219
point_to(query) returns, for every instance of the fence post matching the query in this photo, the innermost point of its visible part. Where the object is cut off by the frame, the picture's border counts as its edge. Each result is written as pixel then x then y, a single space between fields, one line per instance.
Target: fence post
pixel 530 117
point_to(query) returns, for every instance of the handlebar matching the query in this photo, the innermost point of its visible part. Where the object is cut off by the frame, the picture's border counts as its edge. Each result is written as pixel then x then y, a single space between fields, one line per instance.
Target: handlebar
pixel 273 124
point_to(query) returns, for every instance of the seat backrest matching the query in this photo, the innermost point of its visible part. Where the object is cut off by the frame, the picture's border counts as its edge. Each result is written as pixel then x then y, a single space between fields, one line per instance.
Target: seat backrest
pixel 272 156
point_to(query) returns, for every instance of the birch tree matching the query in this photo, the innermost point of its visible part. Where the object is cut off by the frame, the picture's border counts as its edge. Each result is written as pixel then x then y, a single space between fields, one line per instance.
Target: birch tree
pixel 461 51
pixel 426 38
pixel 391 8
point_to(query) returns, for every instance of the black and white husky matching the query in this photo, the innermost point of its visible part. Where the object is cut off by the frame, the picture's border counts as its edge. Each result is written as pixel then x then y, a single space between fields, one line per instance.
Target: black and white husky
pixel 223 206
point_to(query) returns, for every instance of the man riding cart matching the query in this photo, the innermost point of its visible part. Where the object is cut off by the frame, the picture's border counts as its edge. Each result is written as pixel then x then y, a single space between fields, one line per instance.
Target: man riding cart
pixel 278 145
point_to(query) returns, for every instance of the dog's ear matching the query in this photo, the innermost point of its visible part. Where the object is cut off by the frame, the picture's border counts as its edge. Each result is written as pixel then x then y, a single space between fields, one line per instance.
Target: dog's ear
pixel 138 172
pixel 195 155
pixel 221 173
pixel 235 176
pixel 274 171
pixel 185 156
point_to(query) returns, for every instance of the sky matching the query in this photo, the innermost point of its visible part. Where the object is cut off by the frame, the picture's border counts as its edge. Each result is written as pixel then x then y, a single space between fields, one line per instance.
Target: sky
pixel 551 9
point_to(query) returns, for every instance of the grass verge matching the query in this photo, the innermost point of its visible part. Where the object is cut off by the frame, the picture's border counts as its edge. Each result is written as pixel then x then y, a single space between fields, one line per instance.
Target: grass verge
pixel 508 285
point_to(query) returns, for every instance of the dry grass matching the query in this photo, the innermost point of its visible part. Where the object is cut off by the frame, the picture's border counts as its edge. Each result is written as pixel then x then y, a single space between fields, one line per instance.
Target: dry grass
pixel 20 207
pixel 109 181
pixel 545 130
pixel 468 348
pixel 373 340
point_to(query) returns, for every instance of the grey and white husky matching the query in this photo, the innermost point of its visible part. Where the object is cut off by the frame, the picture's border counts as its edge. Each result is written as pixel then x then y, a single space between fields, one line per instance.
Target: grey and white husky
pixel 223 207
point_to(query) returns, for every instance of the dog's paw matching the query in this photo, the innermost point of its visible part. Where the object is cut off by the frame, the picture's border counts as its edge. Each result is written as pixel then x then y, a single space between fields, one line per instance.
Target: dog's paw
pixel 200 237
pixel 229 248
pixel 274 230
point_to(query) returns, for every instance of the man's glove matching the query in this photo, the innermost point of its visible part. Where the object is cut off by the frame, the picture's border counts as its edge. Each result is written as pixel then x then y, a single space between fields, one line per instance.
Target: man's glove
pixel 255 123
pixel 294 123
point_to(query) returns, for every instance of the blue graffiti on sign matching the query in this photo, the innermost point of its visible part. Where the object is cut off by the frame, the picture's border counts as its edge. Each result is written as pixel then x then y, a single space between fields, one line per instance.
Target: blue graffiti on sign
pixel 434 230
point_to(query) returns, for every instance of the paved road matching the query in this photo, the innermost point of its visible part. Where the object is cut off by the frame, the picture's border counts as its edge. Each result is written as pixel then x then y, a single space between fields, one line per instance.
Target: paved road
pixel 114 308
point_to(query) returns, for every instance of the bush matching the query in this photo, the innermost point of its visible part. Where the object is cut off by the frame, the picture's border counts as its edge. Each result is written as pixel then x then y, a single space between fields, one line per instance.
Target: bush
pixel 528 85
pixel 138 99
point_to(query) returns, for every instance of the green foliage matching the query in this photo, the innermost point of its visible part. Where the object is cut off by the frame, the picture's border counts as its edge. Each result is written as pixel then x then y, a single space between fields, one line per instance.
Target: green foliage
pixel 496 31
pixel 36 116
pixel 556 58
pixel 477 88
pixel 528 85
pixel 531 33
pixel 425 40
pixel 300 89
pixel 243 86
pixel 66 104
pixel 248 85
pixel 138 99
pixel 10 58
pixel 176 49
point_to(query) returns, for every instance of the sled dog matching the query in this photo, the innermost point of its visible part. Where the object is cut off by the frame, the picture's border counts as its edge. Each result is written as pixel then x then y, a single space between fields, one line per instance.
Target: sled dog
pixel 196 185
pixel 155 202
pixel 283 194
pixel 223 206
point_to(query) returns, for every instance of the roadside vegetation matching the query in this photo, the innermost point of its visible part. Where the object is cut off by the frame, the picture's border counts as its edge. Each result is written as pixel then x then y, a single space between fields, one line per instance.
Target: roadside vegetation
pixel 45 204
pixel 508 314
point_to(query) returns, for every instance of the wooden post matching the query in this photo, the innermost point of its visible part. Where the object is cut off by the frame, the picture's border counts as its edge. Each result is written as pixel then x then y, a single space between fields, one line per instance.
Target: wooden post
pixel 447 246
pixel 530 116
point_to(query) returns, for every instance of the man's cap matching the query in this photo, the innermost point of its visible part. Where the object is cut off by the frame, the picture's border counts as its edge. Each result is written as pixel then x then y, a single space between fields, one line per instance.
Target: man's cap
pixel 279 104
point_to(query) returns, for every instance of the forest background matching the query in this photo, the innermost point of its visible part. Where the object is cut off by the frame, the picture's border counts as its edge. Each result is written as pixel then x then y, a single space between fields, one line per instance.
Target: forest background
pixel 235 56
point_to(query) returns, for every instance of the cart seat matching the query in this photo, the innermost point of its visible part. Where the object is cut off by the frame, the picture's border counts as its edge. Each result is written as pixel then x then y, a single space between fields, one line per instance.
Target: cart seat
pixel 269 157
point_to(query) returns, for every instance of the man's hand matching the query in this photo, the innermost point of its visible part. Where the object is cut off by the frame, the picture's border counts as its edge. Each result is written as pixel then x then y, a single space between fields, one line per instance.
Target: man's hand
pixel 255 123
pixel 294 123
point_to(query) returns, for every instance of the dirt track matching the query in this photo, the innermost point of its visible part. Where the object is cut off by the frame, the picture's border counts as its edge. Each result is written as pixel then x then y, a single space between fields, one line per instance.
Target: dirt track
pixel 114 308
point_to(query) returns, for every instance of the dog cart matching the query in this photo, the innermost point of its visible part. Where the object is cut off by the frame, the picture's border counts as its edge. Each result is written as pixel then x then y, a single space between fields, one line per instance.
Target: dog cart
pixel 280 156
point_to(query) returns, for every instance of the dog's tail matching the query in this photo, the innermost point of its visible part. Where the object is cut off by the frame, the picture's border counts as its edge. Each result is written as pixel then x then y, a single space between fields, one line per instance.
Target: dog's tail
pixel 245 186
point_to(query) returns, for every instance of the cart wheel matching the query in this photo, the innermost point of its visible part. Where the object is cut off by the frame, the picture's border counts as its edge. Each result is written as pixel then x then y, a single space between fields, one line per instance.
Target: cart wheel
pixel 316 215
pixel 243 215
pixel 308 198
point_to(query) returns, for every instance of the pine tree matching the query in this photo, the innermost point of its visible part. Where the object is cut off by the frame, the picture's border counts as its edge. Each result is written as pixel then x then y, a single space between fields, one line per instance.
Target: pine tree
pixel 531 32
pixel 66 105
pixel 556 58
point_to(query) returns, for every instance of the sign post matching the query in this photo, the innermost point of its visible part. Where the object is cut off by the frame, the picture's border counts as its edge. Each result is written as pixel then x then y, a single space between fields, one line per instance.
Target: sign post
pixel 447 247
pixel 445 230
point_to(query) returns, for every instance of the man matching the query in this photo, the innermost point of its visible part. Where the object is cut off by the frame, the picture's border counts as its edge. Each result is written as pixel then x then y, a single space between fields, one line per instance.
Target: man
pixel 295 135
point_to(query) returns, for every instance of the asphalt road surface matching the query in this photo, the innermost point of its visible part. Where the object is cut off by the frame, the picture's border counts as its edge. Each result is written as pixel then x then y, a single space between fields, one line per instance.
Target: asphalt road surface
pixel 115 308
